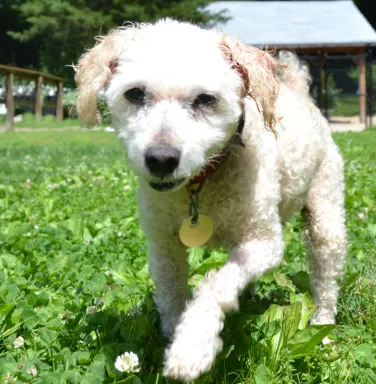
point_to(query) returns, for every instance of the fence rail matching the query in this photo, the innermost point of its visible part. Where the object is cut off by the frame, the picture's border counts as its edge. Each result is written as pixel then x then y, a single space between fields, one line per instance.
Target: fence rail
pixel 39 77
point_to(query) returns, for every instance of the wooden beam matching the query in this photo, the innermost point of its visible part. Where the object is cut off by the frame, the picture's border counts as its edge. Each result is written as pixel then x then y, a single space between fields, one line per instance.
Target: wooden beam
pixel 24 73
pixel 312 50
pixel 362 89
pixel 59 101
pixel 9 101
pixel 38 98
pixel 28 103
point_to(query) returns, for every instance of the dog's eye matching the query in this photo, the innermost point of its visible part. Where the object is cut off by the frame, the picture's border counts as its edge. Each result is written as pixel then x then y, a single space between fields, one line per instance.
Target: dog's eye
pixel 135 96
pixel 204 99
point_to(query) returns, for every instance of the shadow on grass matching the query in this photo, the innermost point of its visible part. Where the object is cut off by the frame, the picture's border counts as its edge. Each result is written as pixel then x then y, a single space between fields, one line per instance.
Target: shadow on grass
pixel 245 335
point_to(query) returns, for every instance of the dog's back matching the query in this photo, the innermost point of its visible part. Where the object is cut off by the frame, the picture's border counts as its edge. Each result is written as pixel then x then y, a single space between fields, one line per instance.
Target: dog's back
pixel 304 137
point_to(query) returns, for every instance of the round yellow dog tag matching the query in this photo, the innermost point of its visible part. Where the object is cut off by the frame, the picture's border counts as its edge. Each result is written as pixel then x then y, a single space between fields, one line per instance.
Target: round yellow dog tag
pixel 196 233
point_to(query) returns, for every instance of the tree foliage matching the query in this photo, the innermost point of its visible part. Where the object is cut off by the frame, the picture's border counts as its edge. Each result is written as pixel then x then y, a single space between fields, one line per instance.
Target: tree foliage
pixel 367 7
pixel 51 34
pixel 13 52
pixel 60 30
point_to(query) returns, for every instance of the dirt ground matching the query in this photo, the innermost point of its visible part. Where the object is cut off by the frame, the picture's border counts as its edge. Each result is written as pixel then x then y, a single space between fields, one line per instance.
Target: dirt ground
pixel 346 124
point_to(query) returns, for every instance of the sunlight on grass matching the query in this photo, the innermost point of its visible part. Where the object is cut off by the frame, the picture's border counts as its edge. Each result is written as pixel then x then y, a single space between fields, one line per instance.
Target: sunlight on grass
pixel 48 122
pixel 74 280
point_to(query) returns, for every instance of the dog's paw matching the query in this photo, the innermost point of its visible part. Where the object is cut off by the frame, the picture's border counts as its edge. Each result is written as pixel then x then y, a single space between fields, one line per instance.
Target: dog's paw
pixel 196 340
pixel 188 359
pixel 323 316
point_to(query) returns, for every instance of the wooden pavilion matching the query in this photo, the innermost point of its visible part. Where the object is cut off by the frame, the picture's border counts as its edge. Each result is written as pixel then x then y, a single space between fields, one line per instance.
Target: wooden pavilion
pixel 39 77
pixel 313 29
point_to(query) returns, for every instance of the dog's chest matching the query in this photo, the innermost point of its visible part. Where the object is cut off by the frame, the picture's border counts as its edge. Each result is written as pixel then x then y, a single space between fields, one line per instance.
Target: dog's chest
pixel 223 205
pixel 226 209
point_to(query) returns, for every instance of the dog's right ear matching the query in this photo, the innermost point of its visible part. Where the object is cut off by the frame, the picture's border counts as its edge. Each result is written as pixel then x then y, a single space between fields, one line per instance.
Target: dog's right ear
pixel 259 72
pixel 95 69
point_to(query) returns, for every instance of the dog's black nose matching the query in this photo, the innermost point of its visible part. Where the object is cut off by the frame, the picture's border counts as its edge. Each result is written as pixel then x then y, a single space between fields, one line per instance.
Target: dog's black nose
pixel 162 159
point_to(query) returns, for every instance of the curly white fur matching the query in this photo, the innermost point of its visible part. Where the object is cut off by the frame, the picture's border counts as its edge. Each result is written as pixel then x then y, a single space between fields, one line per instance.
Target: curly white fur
pixel 257 188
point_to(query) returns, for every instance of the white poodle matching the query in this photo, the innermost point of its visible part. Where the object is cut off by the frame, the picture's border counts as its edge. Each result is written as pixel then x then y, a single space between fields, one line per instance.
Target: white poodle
pixel 204 115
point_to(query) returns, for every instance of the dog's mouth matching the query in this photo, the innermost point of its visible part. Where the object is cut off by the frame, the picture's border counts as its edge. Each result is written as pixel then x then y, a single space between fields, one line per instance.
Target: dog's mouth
pixel 166 186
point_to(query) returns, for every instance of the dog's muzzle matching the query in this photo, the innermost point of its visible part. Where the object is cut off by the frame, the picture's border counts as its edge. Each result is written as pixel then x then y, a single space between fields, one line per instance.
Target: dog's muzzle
pixel 162 160
pixel 166 186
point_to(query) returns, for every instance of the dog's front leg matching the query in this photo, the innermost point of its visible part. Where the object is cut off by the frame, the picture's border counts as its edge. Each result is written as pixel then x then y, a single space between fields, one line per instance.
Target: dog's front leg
pixel 196 339
pixel 168 265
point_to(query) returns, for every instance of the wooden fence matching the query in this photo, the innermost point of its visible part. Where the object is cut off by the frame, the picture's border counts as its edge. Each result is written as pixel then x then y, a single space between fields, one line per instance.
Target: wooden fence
pixel 39 77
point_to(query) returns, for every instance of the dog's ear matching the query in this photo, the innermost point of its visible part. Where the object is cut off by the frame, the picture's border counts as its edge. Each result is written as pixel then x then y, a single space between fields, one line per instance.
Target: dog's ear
pixel 259 72
pixel 95 68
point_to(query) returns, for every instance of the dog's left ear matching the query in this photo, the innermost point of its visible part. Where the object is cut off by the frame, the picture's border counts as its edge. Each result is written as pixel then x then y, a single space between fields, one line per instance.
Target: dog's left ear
pixel 259 72
pixel 95 68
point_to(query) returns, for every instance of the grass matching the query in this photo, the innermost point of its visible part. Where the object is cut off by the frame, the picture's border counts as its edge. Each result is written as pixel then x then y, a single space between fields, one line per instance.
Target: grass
pixel 74 281
pixel 48 122
pixel 348 106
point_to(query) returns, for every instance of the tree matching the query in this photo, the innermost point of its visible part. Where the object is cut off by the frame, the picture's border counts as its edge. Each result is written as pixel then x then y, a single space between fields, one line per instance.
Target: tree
pixel 63 29
pixel 367 7
pixel 13 52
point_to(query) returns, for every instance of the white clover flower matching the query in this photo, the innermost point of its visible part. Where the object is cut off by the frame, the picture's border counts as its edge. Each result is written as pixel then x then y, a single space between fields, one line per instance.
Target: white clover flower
pixel 19 342
pixel 32 371
pixel 121 234
pixel 91 310
pixel 64 317
pixel 53 186
pixel 127 187
pixel 361 216
pixel 64 321
pixel 127 362
pixel 9 378
pixel 108 272
pixel 98 301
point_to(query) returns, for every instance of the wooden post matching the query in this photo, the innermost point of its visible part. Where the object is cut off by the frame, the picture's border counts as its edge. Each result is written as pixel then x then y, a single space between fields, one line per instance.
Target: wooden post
pixel 370 92
pixel 320 98
pixel 322 74
pixel 59 101
pixel 9 101
pixel 362 89
pixel 38 98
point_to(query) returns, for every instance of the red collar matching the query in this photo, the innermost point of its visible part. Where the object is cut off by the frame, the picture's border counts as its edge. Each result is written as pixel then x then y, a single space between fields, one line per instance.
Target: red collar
pixel 217 159
pixel 212 166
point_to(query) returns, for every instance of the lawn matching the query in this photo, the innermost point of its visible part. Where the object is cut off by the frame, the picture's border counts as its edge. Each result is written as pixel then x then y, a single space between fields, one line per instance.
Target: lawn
pixel 48 122
pixel 75 290
pixel 347 106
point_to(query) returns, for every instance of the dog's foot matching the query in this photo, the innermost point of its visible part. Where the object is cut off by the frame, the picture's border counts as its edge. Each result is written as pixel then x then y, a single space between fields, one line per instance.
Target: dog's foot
pixel 169 324
pixel 196 341
pixel 186 361
pixel 323 316
pixel 327 341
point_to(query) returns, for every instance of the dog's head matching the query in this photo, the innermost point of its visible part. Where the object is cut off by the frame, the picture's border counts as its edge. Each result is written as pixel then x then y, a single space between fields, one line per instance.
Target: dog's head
pixel 175 93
